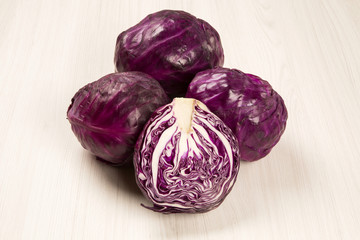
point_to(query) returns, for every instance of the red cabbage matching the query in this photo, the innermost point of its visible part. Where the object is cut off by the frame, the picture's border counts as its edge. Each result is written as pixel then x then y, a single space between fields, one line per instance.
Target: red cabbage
pixel 171 46
pixel 247 104
pixel 108 115
pixel 186 159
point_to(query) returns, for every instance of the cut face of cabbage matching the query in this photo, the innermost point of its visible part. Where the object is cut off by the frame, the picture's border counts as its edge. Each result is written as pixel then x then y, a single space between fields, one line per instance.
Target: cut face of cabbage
pixel 186 159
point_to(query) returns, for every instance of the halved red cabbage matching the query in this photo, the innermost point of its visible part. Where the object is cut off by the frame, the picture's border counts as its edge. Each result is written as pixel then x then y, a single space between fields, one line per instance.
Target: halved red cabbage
pixel 247 104
pixel 172 46
pixel 108 115
pixel 186 159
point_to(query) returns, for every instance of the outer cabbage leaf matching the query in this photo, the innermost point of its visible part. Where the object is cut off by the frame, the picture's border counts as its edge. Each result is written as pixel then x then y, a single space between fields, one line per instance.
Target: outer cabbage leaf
pixel 247 104
pixel 186 159
pixel 172 46
pixel 107 115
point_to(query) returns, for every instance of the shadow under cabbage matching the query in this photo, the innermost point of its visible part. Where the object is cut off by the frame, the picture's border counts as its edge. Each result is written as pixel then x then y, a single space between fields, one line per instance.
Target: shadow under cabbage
pixel 122 178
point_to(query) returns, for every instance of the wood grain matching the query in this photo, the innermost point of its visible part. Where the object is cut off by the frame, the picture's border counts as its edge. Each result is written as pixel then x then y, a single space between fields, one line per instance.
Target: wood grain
pixel 307 188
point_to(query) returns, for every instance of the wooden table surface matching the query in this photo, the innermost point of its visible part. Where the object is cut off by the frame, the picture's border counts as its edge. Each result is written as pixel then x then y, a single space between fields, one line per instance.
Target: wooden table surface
pixel 308 187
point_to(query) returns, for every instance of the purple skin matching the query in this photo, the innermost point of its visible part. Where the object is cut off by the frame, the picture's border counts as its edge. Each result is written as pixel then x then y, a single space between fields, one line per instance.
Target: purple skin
pixel 108 115
pixel 247 104
pixel 171 46
pixel 186 171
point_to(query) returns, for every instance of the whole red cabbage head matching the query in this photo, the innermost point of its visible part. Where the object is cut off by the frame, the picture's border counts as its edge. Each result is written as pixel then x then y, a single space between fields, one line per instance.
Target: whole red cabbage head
pixel 108 115
pixel 254 111
pixel 171 46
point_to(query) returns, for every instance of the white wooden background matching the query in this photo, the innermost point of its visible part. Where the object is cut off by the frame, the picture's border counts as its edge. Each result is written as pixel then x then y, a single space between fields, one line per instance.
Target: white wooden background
pixel 307 188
